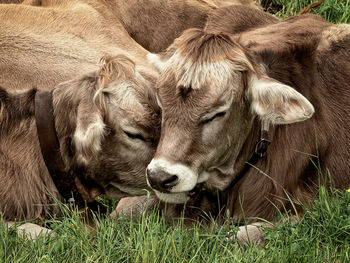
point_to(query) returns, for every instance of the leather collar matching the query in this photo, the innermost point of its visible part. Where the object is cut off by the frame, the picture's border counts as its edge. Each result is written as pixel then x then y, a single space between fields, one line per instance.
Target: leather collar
pixel 45 124
pixel 67 182
pixel 49 145
pixel 260 150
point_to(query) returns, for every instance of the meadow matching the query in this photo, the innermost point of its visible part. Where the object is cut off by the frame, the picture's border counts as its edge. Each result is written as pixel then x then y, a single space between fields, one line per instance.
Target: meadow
pixel 321 235
pixel 336 11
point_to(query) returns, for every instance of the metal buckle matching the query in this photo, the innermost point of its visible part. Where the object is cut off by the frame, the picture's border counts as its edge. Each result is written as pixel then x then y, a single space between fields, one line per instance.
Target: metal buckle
pixel 261 147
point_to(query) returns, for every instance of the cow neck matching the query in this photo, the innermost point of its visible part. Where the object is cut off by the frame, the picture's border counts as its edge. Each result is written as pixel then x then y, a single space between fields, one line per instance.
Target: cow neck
pixel 50 147
pixel 260 150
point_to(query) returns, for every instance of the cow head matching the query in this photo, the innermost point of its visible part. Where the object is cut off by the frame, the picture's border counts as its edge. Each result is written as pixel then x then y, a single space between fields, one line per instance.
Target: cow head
pixel 108 125
pixel 211 92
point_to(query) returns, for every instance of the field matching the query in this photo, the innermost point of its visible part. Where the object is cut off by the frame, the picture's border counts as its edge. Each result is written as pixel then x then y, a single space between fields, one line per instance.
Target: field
pixel 321 235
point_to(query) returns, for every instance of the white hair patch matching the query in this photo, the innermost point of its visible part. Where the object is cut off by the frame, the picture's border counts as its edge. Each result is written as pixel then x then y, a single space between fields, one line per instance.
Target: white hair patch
pixel 187 178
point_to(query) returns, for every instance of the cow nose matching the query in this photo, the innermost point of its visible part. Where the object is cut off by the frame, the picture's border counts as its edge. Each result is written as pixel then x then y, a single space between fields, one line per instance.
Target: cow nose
pixel 160 180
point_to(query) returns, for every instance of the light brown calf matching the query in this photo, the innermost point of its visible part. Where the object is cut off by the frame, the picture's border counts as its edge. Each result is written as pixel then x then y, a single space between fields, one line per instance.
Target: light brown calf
pixel 219 92
pixel 102 118
pixel 97 145
pixel 94 143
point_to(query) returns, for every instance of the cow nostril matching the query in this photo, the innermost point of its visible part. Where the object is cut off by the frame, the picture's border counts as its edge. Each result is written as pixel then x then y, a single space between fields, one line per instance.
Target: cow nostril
pixel 161 180
pixel 170 182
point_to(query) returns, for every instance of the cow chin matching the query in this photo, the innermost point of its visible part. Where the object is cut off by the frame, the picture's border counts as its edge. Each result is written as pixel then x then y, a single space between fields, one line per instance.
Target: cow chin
pixel 178 198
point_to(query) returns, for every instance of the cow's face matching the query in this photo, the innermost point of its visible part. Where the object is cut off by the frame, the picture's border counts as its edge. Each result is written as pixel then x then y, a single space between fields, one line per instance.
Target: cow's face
pixel 126 151
pixel 210 93
pixel 134 115
pixel 117 127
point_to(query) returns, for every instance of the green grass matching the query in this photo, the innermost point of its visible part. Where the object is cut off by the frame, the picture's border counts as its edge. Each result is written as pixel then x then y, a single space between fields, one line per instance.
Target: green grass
pixel 322 235
pixel 335 11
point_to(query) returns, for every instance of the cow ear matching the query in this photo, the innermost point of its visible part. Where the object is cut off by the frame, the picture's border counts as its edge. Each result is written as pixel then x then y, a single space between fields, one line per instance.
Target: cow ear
pixel 90 129
pixel 278 103
pixel 92 109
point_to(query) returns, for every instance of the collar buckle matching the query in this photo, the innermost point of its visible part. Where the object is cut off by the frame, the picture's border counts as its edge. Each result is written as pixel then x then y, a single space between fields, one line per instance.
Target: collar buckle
pixel 261 147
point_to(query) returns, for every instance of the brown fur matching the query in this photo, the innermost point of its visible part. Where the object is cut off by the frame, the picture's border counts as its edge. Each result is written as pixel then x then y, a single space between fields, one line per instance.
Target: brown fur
pixel 230 19
pixel 233 19
pixel 11 1
pixel 57 50
pixel 155 24
pixel 292 52
pixel 322 78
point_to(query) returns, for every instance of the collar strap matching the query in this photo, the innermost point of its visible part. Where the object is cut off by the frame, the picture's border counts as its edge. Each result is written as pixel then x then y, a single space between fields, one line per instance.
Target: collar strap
pixel 262 145
pixel 260 150
pixel 45 124
pixel 67 182
pixel 50 146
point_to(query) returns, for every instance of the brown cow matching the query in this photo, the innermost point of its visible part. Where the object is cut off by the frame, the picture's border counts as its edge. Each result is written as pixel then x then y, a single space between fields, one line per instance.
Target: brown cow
pixel 155 24
pixel 96 141
pixel 220 92
pixel 41 47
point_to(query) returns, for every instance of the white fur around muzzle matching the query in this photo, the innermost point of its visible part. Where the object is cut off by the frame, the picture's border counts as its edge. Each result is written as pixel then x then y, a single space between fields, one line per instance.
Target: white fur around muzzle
pixel 187 179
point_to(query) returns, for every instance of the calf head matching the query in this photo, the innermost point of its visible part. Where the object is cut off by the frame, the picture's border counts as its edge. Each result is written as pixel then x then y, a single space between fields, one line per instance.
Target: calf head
pixel 108 126
pixel 211 91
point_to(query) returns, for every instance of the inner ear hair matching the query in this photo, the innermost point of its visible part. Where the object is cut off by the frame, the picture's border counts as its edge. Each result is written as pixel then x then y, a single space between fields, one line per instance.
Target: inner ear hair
pixel 113 68
pixel 278 103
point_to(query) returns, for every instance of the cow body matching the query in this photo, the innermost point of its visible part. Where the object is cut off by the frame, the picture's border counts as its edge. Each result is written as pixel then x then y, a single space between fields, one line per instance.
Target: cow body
pixel 155 24
pixel 218 91
pixel 59 41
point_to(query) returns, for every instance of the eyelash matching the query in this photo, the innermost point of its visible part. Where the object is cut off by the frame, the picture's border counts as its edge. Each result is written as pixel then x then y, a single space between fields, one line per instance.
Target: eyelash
pixel 135 136
pixel 220 114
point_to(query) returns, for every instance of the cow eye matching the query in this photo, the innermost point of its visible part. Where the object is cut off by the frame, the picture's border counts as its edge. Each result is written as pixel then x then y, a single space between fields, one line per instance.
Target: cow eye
pixel 217 115
pixel 135 136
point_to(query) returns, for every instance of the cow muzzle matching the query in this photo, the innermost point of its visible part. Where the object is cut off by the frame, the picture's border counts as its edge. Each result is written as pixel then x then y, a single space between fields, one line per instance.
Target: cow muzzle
pixel 170 178
pixel 161 181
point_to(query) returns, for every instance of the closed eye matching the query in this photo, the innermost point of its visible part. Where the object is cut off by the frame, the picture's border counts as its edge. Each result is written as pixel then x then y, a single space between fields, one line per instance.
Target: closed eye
pixel 135 136
pixel 217 115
